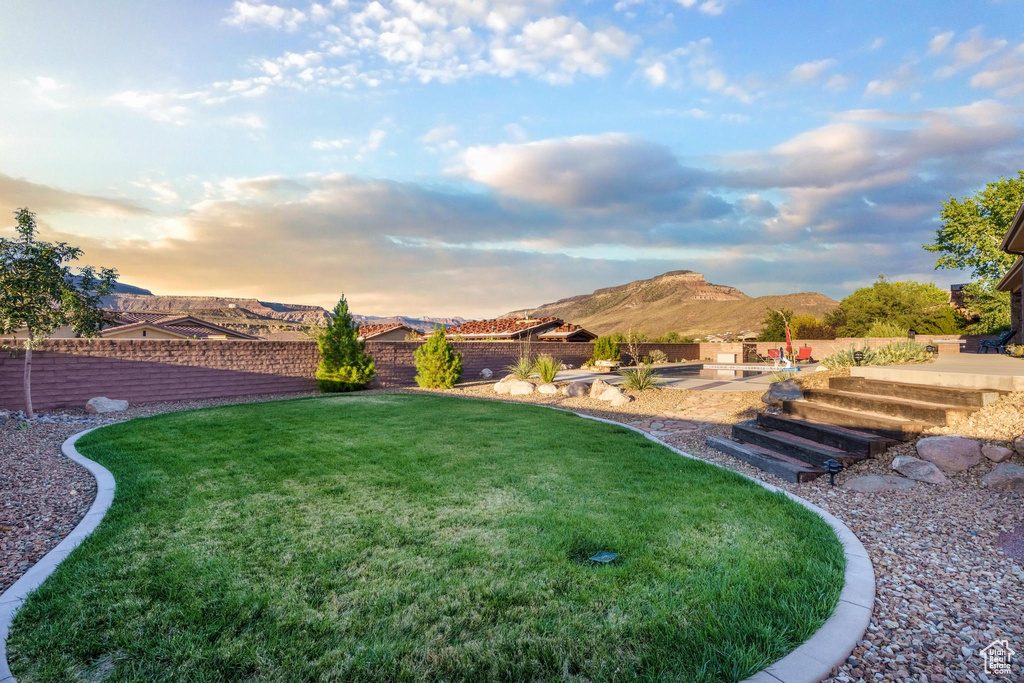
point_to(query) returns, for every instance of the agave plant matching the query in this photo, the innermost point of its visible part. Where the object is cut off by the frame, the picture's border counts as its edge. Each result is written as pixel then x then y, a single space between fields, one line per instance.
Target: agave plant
pixel 844 358
pixel 903 352
pixel 640 379
pixel 523 368
pixel 547 367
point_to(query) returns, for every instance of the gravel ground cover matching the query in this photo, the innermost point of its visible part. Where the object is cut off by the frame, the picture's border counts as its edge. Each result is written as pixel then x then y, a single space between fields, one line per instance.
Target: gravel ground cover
pixel 44 495
pixel 946 583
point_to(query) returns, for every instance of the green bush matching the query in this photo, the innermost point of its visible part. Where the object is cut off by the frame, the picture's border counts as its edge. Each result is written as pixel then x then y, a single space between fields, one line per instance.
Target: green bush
pixel 606 348
pixel 547 367
pixel 640 379
pixel 438 364
pixel 344 364
pixel 897 353
pixel 886 328
pixel 523 368
pixel 657 356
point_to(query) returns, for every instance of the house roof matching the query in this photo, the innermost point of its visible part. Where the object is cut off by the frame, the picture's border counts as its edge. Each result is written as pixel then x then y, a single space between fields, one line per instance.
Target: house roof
pixel 501 327
pixel 369 331
pixel 566 330
pixel 1013 242
pixel 1012 280
pixel 185 326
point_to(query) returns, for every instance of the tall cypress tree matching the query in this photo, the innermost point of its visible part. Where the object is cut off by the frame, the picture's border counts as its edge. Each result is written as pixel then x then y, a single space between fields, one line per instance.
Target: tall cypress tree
pixel 344 363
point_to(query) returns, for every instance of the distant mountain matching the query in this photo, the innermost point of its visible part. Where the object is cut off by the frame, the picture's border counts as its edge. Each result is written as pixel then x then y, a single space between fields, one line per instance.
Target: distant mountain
pixel 267 319
pixel 678 301
pixel 119 287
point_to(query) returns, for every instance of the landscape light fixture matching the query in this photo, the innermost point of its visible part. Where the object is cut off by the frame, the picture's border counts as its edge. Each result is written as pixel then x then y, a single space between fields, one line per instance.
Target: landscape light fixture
pixel 911 334
pixel 604 557
pixel 832 467
pixel 931 349
pixel 858 356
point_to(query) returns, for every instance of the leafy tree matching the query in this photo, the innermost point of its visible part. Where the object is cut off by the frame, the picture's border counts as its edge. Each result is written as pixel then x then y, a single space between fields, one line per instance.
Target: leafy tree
pixel 674 338
pixel 974 227
pixel 990 305
pixel 606 348
pixel 438 364
pixel 38 292
pixel 906 303
pixel 344 363
pixel 806 326
pixel 943 320
pixel 773 326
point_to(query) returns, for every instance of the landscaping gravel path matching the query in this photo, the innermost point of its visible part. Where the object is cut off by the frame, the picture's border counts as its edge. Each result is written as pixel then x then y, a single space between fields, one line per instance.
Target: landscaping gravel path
pixel 949 562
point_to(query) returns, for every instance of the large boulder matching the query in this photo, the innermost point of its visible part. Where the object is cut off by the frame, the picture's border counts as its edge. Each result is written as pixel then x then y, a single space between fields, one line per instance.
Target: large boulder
pixel 610 394
pixel 576 389
pixel 598 387
pixel 873 483
pixel 520 388
pixel 1018 445
pixel 996 453
pixel 787 390
pixel 501 387
pixel 486 373
pixel 918 470
pixel 1006 477
pixel 950 453
pixel 102 404
pixel 547 389
pixel 621 400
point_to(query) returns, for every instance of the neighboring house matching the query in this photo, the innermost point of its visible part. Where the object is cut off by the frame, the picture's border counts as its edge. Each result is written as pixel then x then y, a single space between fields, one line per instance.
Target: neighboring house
pixel 1013 243
pixel 385 332
pixel 506 329
pixel 567 332
pixel 144 325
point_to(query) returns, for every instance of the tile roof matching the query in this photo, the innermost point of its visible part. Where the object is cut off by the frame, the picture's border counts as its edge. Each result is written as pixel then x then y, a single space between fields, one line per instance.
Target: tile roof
pixel 500 327
pixel 184 325
pixel 566 330
pixel 367 331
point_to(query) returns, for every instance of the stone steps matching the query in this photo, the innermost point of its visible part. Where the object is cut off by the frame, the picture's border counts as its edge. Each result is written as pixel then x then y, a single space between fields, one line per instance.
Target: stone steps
pixel 791 445
pixel 969 398
pixel 922 412
pixel 781 465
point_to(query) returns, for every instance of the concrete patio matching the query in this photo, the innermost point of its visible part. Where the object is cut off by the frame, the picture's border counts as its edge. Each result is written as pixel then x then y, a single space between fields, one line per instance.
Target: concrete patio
pixel 964 371
pixel 706 380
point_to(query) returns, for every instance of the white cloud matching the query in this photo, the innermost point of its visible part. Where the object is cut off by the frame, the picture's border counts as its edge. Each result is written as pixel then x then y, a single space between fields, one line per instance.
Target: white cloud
pixel 374 140
pixel 162 107
pixel 939 43
pixel 709 7
pixel 694 63
pixel 327 145
pixel 245 14
pixel 1005 74
pixel 975 48
pixel 516 132
pixel 656 74
pixel 47 91
pixel 811 71
pixel 440 139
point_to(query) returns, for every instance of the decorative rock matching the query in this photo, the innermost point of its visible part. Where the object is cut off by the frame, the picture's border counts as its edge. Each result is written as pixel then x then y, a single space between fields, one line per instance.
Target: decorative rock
pixel 486 373
pixel 610 394
pixel 520 388
pixel 950 453
pixel 621 400
pixel 576 389
pixel 1006 477
pixel 501 387
pixel 787 390
pixel 874 483
pixel 918 470
pixel 1018 444
pixel 547 389
pixel 821 368
pixel 102 404
pixel 996 453
pixel 598 387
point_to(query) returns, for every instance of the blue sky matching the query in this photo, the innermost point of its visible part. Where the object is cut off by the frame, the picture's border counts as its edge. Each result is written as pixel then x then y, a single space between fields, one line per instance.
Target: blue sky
pixel 468 157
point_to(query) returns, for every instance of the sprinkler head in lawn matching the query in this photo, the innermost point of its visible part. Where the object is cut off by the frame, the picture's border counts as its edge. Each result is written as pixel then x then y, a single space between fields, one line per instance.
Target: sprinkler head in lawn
pixel 603 557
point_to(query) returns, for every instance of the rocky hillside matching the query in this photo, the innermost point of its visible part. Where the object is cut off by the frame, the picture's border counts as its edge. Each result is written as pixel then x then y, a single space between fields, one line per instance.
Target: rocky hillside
pixel 678 301
pixel 266 319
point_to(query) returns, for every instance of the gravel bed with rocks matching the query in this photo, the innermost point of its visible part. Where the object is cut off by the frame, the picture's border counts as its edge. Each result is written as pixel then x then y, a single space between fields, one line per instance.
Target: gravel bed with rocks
pixel 44 495
pixel 948 579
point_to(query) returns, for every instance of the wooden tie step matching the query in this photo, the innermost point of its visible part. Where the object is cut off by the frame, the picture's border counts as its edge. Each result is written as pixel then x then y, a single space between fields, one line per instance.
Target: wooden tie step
pixel 969 398
pixel 792 445
pixel 849 440
pixel 779 464
pixel 922 412
pixel 882 425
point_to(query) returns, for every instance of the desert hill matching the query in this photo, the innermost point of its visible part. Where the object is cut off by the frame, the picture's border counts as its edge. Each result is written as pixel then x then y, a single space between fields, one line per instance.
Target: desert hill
pixel 680 301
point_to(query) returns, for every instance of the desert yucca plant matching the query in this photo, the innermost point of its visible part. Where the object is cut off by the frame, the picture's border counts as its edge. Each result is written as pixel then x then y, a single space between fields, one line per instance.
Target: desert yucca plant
pixel 782 375
pixel 844 358
pixel 523 368
pixel 902 352
pixel 640 379
pixel 547 367
pixel 657 356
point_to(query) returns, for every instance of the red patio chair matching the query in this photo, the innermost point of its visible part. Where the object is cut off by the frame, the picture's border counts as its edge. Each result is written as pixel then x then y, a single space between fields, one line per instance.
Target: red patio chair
pixel 804 354
pixel 773 354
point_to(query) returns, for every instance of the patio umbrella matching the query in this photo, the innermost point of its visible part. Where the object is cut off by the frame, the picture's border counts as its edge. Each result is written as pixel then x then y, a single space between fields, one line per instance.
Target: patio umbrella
pixel 789 340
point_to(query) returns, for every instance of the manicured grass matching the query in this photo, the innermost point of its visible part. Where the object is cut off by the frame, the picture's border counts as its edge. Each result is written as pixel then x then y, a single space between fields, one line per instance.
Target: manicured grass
pixel 412 537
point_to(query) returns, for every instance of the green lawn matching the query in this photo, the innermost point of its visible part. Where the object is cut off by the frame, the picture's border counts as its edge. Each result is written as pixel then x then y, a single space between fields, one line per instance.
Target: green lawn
pixel 413 537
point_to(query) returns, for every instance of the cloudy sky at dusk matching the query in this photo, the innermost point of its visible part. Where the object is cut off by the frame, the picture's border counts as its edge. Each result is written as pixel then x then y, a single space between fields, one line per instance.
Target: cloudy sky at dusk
pixel 469 157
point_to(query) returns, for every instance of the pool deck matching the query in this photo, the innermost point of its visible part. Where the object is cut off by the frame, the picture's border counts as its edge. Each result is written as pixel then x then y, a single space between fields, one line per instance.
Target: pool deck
pixel 724 380
pixel 962 371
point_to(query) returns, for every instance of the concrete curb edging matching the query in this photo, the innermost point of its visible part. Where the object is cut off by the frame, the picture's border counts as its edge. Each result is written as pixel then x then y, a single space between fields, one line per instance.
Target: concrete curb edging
pixel 811 662
pixel 838 636
pixel 12 598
